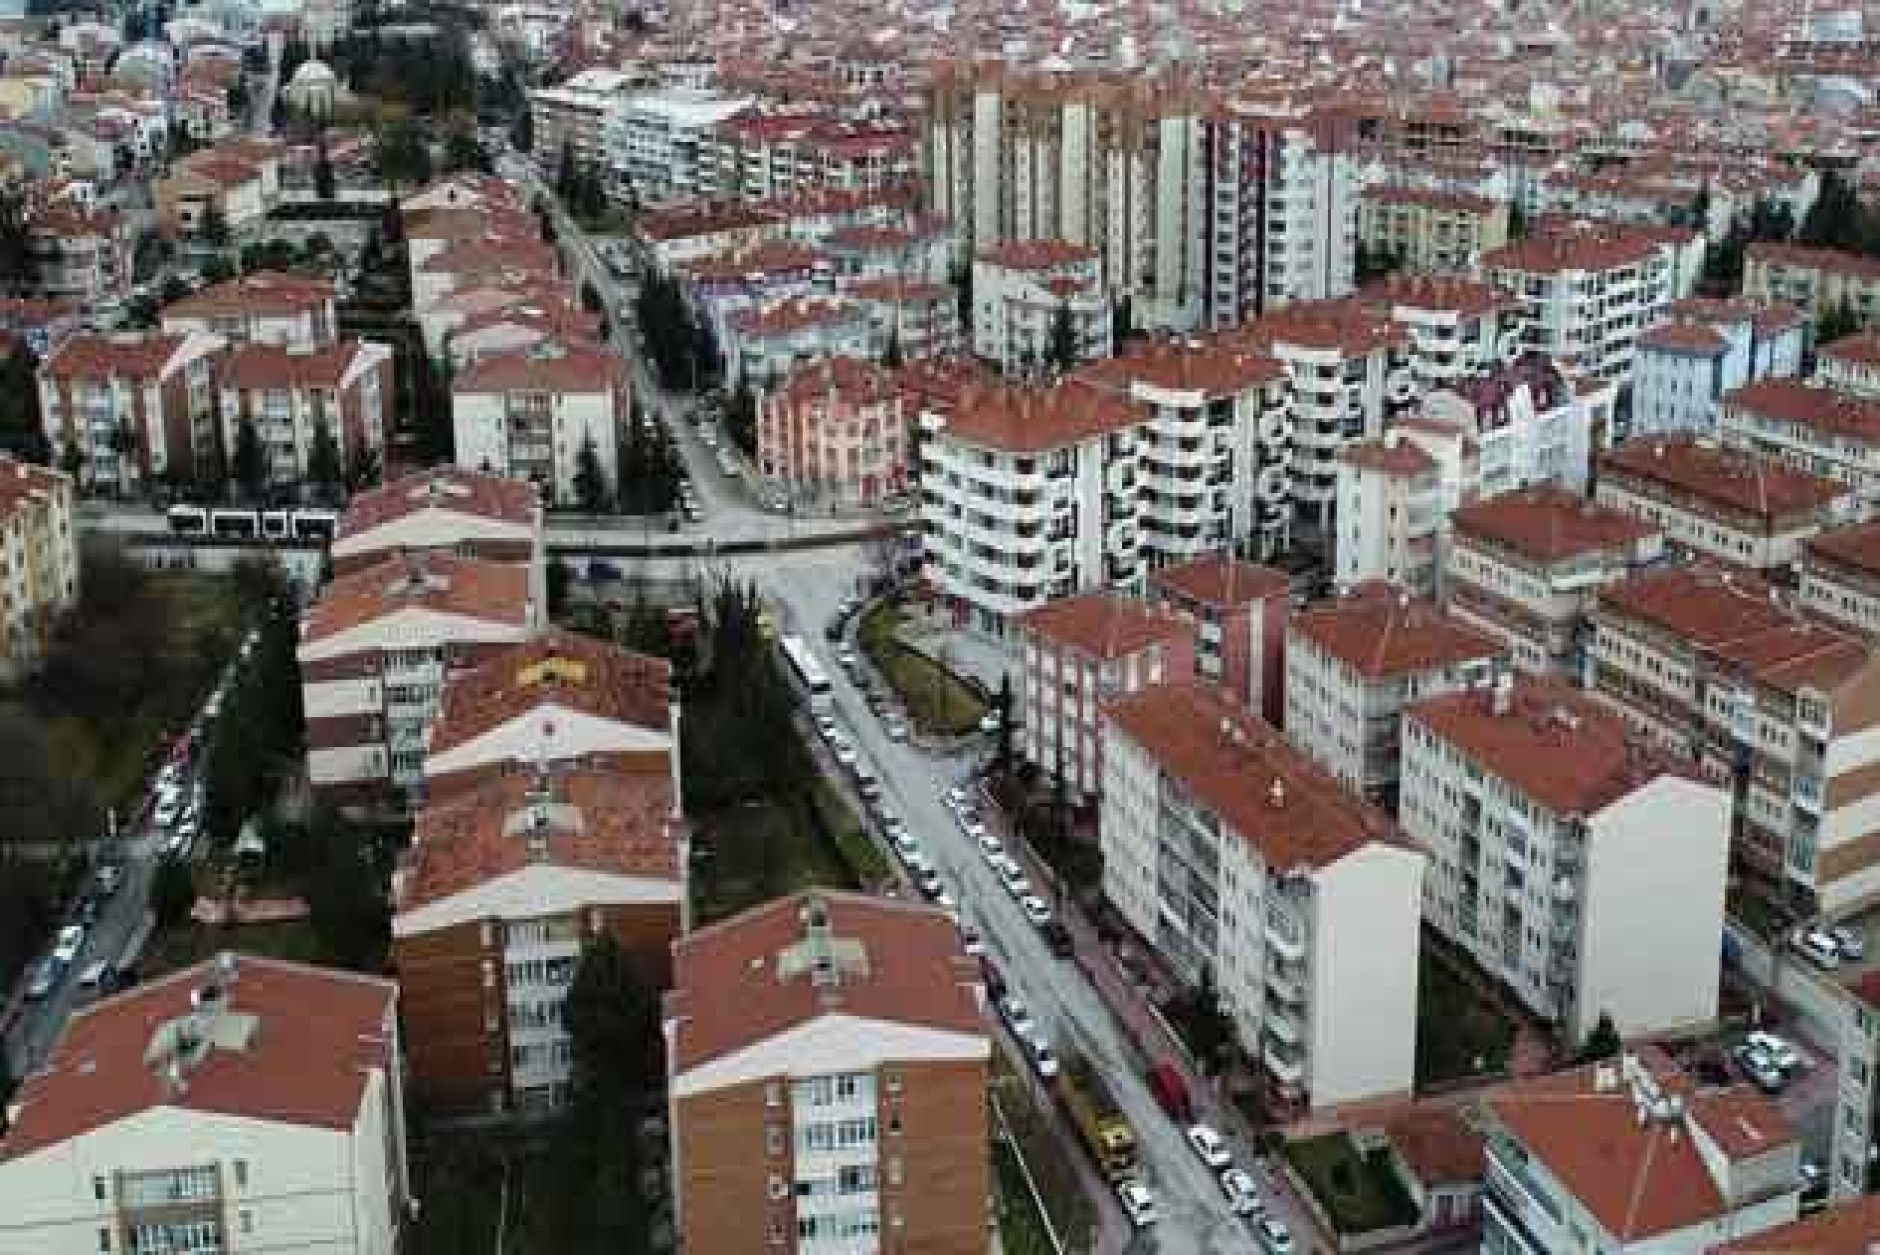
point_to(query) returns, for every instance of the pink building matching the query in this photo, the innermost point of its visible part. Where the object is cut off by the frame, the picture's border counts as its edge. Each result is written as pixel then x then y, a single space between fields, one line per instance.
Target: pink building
pixel 1078 653
pixel 1238 610
pixel 835 430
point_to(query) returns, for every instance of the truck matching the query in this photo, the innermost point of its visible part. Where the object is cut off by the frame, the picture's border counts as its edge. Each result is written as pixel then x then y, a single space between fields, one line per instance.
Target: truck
pixel 1171 1092
pixel 1100 1123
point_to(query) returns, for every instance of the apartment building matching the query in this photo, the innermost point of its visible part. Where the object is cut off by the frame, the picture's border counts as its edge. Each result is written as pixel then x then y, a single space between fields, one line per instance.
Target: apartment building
pixel 680 234
pixel 1531 423
pixel 1458 327
pixel 1076 655
pixel 1840 569
pixel 1027 494
pixel 38 559
pixel 1428 231
pixel 762 344
pixel 1238 611
pixel 1354 663
pixel 1237 860
pixel 1709 348
pixel 240 1105
pixel 1348 375
pixel 1213 451
pixel 375 652
pixel 1277 211
pixel 290 396
pixel 1032 155
pixel 1555 841
pixel 535 413
pixel 1815 280
pixel 440 510
pixel 561 698
pixel 1854 1150
pixel 1395 495
pixel 1022 289
pixel 768 156
pixel 515 876
pixel 919 316
pixel 1588 292
pixel 827 1065
pixel 1525 567
pixel 1680 1169
pixel 574 113
pixel 1776 706
pixel 124 409
pixel 652 142
pixel 1844 1230
pixel 262 307
pixel 1723 503
pixel 1850 365
pixel 1807 426
pixel 836 431
pixel 80 254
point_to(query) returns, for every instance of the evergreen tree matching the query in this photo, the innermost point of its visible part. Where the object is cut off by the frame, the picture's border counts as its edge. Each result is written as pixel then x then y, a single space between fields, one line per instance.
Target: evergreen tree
pixel 1063 350
pixel 590 480
pixel 362 468
pixel 404 154
pixel 22 431
pixel 172 892
pixel 324 469
pixel 250 465
pixel 566 174
pixel 1836 219
pixel 17 267
pixel 72 460
pixel 1122 321
pixel 1834 323
pixel 323 174
pixel 522 130
pixel 213 226
pixel 1603 1042
pixel 891 353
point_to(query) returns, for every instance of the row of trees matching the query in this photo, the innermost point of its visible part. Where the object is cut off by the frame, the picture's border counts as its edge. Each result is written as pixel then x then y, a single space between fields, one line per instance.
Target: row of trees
pixel 257 740
pixel 684 352
pixel 431 77
pixel 578 185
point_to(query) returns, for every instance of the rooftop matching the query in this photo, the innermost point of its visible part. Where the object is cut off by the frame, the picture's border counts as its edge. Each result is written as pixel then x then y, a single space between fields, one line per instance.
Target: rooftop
pixel 1103 624
pixel 1243 770
pixel 1740 482
pixel 1847 1228
pixel 565 669
pixel 447 489
pixel 1548 523
pixel 1379 631
pixel 1019 419
pixel 1219 579
pixel 1808 405
pixel 493 592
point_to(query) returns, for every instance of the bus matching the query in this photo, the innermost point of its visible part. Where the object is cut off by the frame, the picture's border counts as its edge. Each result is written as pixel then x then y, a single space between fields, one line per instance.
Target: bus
pixel 806 674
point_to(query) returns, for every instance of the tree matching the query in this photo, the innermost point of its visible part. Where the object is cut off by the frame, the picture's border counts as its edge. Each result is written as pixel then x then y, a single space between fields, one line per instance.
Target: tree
pixel 590 480
pixel 1064 347
pixel 1209 1030
pixel 172 892
pixel 72 459
pixel 17 266
pixel 559 576
pixel 404 155
pixel 522 130
pixel 238 99
pixel 324 469
pixel 462 151
pixel 213 225
pixel 1603 1042
pixel 1002 756
pixel 362 468
pixel 741 416
pixel 566 173
pixel 323 174
pixel 1122 321
pixel 250 466
pixel 277 112
pixel 1836 219
pixel 218 269
pixel 891 358
pixel 22 432
pixel 611 1021
pixel 347 903
pixel 1835 322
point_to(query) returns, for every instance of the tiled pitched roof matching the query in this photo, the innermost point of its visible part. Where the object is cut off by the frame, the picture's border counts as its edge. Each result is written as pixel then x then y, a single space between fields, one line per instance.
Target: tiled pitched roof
pixel 443 488
pixel 1700 469
pixel 263 293
pixel 550 366
pixel 495 592
pixel 1240 768
pixel 1849 1228
pixel 1379 630
pixel 1102 624
pixel 132 355
pixel 1548 523
pixel 1809 405
pixel 1020 419
pixel 260 367
pixel 582 673
pixel 1222 580
pixel 317 1030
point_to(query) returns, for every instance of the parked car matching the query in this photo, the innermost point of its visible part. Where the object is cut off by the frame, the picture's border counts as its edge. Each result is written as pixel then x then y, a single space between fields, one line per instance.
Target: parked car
pixel 1275 1238
pixel 1170 1088
pixel 1780 1052
pixel 1209 1145
pixel 989 722
pixel 994 978
pixel 1057 939
pixel 1852 946
pixel 1138 1203
pixel 1818 947
pixel 1036 909
pixel 991 847
pixel 108 878
pixel 1014 878
pixel 1243 1196
pixel 93 975
pixel 1043 1059
pixel 167 811
pixel 1760 1069
pixel 971 943
pixel 45 977
pixel 1017 1016
pixel 70 941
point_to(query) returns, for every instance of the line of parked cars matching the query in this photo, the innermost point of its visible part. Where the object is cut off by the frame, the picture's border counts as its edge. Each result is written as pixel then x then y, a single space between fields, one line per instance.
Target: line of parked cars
pixel 1828 946
pixel 1769 1061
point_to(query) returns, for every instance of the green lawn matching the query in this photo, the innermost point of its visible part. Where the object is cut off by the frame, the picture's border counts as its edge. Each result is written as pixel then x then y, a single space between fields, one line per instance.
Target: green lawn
pixel 1021 1224
pixel 188 943
pixel 937 700
pixel 763 850
pixel 1359 1193
pixel 1073 1211
pixel 1460 1031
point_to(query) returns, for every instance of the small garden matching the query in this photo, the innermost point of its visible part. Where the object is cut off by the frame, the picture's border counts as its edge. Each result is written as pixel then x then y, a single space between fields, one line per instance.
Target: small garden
pixel 1462 1033
pixel 1359 1192
pixel 1034 1135
pixel 938 701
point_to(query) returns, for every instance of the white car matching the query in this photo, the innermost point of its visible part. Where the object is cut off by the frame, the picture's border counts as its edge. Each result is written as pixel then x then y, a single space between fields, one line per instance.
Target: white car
pixel 1036 909
pixel 1211 1146
pixel 70 941
pixel 971 944
pixel 845 754
pixel 992 848
pixel 167 811
pixel 1243 1196
pixel 956 797
pixel 1848 942
pixel 1780 1052
pixel 1017 1016
pixel 1138 1203
pixel 1275 1238
pixel 845 656
pixel 989 722
pixel 1013 877
pixel 1818 947
pixel 895 727
pixel 1043 1058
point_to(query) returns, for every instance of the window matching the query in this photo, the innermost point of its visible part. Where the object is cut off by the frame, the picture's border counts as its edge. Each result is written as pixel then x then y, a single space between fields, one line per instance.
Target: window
pixel 104 1237
pixel 241 1174
pixel 773 1140
pixel 779 1188
pixel 247 1221
pixel 97 1188
pixel 773 1094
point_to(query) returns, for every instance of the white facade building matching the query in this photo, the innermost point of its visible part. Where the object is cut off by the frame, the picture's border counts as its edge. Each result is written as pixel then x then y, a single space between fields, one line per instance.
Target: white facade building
pixel 1021 288
pixel 531 413
pixel 652 140
pixel 1555 845
pixel 242 1105
pixel 1395 495
pixel 1711 347
pixel 1230 854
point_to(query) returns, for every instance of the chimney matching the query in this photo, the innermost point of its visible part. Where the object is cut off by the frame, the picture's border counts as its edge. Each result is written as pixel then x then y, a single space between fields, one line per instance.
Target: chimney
pixel 1276 793
pixel 1501 696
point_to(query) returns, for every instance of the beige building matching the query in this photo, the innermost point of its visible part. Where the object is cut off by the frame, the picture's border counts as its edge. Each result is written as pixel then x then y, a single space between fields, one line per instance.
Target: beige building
pixel 1525 567
pixel 1352 665
pixel 1841 577
pixel 1428 231
pixel 1780 709
pixel 1818 280
pixel 1555 845
pixel 827 1064
pixel 1808 426
pixel 1722 503
pixel 38 559
pixel 1230 854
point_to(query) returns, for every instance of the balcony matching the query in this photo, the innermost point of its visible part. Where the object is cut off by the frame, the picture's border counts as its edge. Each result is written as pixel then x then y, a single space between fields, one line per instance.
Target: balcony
pixel 1527 1208
pixel 1287 983
pixel 1287 1066
pixel 1284 936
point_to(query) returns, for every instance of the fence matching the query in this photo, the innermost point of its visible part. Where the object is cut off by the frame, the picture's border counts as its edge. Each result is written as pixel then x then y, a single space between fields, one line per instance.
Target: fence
pixel 1024 1170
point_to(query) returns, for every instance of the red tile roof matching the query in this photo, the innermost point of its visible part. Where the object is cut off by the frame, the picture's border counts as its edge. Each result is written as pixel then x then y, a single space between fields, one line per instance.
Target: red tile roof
pixel 1447 293
pixel 1599 248
pixel 1219 579
pixel 1637 1180
pixel 259 367
pixel 132 355
pixel 1556 745
pixel 1697 469
pixel 1547 523
pixel 595 819
pixel 22 482
pixel 316 1032
pixel 1239 767
pixel 1438 1147
pixel 264 293
pixel 1388 454
pixel 1020 419
pixel 1035 254
pixel 560 668
pixel 1803 257
pixel 1684 337
pixel 495 592
pixel 1102 625
pixel 731 990
pixel 443 488
pixel 557 366
pixel 1457 202
pixel 1215 367
pixel 1379 630
pixel 1856 548
pixel 1809 405
pixel 1849 1228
